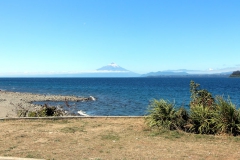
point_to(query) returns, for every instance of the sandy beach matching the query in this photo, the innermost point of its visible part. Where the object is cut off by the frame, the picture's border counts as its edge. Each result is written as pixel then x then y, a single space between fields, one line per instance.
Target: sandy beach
pixel 10 102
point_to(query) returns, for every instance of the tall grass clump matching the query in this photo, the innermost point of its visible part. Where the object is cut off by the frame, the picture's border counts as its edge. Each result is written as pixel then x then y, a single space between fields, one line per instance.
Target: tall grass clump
pixel 164 115
pixel 201 120
pixel 206 115
pixel 227 117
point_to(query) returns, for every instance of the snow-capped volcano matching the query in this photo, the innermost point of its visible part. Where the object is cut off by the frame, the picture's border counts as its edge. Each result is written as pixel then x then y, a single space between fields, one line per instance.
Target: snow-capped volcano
pixel 112 67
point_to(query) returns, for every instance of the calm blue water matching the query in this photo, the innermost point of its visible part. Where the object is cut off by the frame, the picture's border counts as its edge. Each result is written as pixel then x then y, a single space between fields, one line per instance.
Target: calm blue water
pixel 122 96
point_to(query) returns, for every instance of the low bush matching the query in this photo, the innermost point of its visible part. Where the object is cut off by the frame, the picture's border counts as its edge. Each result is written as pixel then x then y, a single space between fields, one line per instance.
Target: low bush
pixel 164 115
pixel 201 120
pixel 227 117
pixel 45 111
pixel 207 115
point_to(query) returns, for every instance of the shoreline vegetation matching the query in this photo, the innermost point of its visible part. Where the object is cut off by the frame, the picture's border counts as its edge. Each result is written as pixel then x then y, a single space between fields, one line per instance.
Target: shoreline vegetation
pixel 16 104
pixel 207 115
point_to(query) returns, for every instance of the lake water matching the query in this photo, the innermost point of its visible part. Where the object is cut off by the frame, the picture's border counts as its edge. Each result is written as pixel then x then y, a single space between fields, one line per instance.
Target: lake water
pixel 122 96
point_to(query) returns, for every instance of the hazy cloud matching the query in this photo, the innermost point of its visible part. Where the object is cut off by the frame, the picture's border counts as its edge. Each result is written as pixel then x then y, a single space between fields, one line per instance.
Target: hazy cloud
pixel 26 73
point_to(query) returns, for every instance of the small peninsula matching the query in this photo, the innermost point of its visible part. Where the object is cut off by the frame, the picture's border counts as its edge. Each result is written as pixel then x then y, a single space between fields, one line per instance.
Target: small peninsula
pixel 235 74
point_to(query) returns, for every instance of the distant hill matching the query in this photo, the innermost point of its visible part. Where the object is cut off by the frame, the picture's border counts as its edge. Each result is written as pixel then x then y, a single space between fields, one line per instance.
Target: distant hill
pixel 235 74
pixel 164 73
pixel 183 73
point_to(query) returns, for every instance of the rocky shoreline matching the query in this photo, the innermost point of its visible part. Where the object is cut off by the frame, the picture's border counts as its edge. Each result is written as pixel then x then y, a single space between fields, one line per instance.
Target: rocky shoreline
pixel 12 102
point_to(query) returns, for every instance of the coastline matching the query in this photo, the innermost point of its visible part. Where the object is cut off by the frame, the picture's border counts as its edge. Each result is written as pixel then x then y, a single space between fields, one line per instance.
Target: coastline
pixel 11 102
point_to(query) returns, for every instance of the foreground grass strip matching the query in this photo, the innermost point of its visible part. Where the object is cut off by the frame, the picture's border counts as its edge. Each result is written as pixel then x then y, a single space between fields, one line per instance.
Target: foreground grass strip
pixel 108 138
pixel 16 158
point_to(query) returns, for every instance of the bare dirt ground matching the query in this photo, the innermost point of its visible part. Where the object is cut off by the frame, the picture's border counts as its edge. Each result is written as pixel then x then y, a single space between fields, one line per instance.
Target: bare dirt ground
pixel 107 138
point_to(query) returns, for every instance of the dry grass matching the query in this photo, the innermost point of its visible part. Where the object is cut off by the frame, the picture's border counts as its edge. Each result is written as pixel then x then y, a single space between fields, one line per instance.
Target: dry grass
pixel 108 138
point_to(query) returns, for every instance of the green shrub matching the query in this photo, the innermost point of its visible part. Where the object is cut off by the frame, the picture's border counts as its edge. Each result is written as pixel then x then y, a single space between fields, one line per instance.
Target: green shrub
pixel 22 113
pixel 50 111
pixel 201 120
pixel 44 111
pixel 181 119
pixel 32 114
pixel 205 116
pixel 200 97
pixel 227 117
pixel 164 115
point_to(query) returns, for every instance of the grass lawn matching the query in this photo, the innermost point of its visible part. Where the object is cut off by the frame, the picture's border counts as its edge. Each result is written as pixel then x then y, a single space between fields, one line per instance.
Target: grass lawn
pixel 108 138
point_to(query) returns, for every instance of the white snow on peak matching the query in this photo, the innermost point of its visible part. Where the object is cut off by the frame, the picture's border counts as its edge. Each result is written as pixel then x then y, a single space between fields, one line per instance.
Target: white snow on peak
pixel 113 65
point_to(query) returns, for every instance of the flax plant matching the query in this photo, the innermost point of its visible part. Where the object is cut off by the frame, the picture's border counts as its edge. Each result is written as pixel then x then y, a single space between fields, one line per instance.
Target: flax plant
pixel 227 117
pixel 207 115
pixel 162 114
pixel 201 120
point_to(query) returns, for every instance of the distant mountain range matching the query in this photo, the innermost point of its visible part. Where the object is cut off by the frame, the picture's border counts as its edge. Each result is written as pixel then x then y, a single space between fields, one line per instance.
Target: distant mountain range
pixel 185 73
pixel 114 70
pixel 164 73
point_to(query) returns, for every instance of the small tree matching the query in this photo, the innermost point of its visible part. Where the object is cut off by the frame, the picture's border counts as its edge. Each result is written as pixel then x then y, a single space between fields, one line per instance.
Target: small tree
pixel 200 97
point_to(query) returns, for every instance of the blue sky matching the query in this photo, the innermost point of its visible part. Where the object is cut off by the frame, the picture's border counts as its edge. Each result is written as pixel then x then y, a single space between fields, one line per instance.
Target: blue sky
pixel 41 36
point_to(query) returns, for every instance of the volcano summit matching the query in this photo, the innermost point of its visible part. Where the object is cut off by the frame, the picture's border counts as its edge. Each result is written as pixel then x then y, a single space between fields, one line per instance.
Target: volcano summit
pixel 112 67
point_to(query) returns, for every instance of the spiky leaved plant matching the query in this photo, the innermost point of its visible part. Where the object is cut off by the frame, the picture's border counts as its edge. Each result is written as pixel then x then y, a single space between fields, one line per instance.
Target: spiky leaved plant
pixel 228 117
pixel 181 119
pixel 201 120
pixel 162 114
